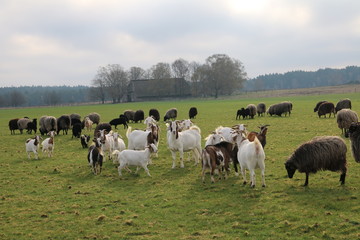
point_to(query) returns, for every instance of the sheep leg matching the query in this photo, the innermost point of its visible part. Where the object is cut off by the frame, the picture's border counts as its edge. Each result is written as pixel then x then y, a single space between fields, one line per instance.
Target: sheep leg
pixel 342 178
pixel 306 180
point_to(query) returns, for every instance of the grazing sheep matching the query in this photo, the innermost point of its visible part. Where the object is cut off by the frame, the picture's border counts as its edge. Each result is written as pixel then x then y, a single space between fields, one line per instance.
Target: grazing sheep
pixel 75 120
pixel 261 109
pixel 130 115
pixel 318 105
pixel 13 125
pixel 84 139
pixel 193 112
pixel 320 153
pixel 47 124
pixel 32 126
pixel 354 133
pixel 32 145
pixel 252 110
pixel 88 123
pixel 244 113
pixel 118 121
pixel 75 116
pixel 48 144
pixel 63 123
pixel 170 114
pixel 76 130
pixel 139 116
pixel 101 126
pixel 22 124
pixel 344 119
pixel 94 117
pixel 345 103
pixel 155 113
pixel 280 108
pixel 326 108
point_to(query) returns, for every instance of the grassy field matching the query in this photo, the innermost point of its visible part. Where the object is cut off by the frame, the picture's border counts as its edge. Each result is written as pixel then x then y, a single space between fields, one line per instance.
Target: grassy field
pixel 59 198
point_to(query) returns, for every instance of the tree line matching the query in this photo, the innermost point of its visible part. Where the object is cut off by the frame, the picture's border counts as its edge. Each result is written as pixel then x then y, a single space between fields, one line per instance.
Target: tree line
pixel 304 79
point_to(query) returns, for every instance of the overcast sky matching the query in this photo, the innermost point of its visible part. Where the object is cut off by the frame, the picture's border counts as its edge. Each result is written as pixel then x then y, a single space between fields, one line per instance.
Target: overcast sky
pixel 63 42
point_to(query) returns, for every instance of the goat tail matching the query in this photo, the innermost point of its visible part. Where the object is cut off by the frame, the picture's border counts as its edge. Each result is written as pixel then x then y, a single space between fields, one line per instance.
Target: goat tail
pixel 128 131
pixel 196 128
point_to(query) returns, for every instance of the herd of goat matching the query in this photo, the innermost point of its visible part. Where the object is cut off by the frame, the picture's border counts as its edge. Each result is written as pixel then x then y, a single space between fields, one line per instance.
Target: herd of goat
pixel 224 146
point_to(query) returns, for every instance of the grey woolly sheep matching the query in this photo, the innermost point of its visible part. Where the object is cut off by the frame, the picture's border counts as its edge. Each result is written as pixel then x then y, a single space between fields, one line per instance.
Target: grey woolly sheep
pixel 344 119
pixel 326 108
pixel 94 117
pixel 252 110
pixel 170 114
pixel 318 105
pixel 47 124
pixel 345 103
pixel 23 123
pixel 320 153
pixel 280 108
pixel 75 116
pixel 261 109
pixel 354 133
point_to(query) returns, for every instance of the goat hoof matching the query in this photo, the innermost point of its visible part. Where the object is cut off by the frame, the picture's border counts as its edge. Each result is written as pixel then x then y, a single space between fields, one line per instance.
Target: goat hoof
pixel 264 185
pixel 244 183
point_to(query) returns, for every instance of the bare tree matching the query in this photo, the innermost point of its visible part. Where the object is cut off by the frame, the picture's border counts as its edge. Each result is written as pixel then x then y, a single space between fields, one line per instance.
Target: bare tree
pixel 98 91
pixel 136 73
pixel 17 98
pixel 115 79
pixel 180 68
pixel 161 71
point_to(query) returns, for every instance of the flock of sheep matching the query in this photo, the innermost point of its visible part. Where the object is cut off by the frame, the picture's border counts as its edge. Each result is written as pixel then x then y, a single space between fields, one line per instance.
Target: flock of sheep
pixel 223 147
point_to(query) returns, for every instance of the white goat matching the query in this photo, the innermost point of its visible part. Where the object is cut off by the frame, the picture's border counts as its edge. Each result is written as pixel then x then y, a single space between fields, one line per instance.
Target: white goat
pixel 213 139
pixel 149 121
pixel 118 144
pixel 227 132
pixel 251 155
pixel 48 144
pixel 107 142
pixel 185 124
pixel 135 158
pixel 32 145
pixel 188 140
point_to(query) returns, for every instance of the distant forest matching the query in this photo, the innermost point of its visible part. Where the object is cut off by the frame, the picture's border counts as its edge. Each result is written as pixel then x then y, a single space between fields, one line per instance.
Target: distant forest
pixel 304 79
pixel 28 96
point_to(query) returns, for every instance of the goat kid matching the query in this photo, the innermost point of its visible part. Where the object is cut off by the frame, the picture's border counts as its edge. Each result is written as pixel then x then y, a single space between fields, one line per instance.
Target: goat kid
pixel 135 158
pixel 48 144
pixel 32 145
pixel 107 142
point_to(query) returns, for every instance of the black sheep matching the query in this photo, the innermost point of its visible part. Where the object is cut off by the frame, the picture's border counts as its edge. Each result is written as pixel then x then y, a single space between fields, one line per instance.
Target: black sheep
pixel 318 105
pixel 244 113
pixel 170 114
pixel 345 103
pixel 139 116
pixel 320 153
pixel 354 133
pixel 261 109
pixel 130 114
pixel 193 112
pixel 76 130
pixel 326 108
pixel 13 125
pixel 32 126
pixel 118 121
pixel 63 123
pixel 155 114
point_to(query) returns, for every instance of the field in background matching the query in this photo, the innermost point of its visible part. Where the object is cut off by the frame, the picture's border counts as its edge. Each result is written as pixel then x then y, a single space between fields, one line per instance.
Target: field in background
pixel 59 198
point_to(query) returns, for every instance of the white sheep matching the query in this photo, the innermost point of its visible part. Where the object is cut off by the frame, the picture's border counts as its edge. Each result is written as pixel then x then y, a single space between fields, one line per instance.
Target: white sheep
pixel 48 144
pixel 188 140
pixel 251 155
pixel 135 158
pixel 32 145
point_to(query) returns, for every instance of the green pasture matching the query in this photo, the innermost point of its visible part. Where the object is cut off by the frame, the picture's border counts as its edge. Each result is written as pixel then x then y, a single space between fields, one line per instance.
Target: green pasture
pixel 59 198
